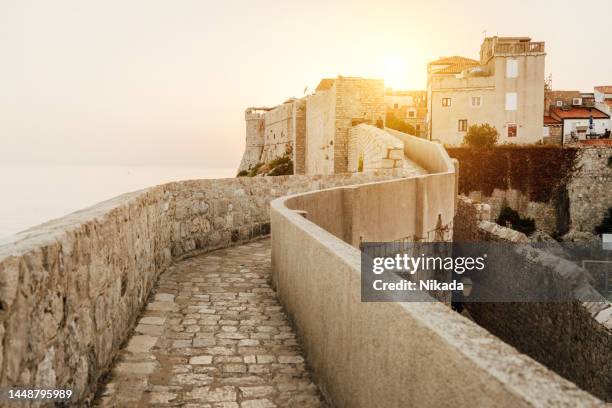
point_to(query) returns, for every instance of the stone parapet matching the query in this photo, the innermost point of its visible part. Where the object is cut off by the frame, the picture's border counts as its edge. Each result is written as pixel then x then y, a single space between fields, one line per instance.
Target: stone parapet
pixel 71 289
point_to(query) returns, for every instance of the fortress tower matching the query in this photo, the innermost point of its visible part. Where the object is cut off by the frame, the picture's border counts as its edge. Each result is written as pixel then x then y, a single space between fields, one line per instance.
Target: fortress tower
pixel 255 128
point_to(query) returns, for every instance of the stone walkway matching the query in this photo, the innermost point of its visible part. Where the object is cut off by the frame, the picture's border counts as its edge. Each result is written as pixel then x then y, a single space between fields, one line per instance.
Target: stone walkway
pixel 214 336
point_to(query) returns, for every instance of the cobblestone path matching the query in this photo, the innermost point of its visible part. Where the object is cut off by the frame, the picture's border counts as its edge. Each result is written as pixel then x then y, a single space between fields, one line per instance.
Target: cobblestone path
pixel 214 336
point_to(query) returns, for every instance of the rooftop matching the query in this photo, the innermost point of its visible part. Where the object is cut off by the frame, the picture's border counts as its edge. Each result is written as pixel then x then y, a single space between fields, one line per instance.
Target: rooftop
pixel 549 120
pixel 607 89
pixel 578 113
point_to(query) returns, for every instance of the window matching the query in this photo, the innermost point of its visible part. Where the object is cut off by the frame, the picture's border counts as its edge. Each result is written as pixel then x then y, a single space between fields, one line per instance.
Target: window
pixel 559 103
pixel 546 132
pixel 418 128
pixel 476 101
pixel 463 125
pixel 511 100
pixel 511 129
pixel 511 68
pixel 411 114
pixel 395 106
pixel 446 102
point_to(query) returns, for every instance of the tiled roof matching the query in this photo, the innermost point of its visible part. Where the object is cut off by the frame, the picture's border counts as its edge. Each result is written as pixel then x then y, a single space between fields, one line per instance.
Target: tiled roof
pixel 549 120
pixel 607 89
pixel 453 60
pixel 578 113
pixel 455 68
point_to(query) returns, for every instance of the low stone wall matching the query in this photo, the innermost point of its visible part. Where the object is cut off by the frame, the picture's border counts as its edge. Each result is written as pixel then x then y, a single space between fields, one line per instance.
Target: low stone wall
pixel 374 148
pixel 390 354
pixel 590 189
pixel 572 338
pixel 70 289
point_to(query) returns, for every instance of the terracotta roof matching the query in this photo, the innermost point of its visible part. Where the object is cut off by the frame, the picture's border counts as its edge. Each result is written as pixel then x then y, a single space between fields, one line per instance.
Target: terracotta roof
pixel 455 68
pixel 325 84
pixel 453 60
pixel 607 89
pixel 578 113
pixel 549 120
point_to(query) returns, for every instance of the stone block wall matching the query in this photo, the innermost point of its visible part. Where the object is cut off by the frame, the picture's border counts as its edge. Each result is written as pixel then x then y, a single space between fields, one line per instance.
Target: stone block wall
pixel 278 133
pixel 544 214
pixel 299 137
pixel 572 338
pixel 254 143
pixel 320 131
pixel 590 189
pixel 357 100
pixel 71 289
pixel 375 148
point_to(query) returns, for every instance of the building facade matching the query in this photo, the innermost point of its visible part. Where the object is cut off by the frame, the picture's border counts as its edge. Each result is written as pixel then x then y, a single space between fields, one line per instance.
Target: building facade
pixel 410 107
pixel 504 88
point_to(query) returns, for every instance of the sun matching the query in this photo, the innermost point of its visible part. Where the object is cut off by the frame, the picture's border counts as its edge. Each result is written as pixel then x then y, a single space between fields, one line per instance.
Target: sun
pixel 396 71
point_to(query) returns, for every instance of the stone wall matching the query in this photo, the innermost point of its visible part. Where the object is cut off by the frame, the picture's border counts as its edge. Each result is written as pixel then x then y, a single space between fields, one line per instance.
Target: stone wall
pixel 299 137
pixel 590 189
pixel 585 196
pixel 278 133
pixel 320 131
pixel 544 214
pixel 391 354
pixel 70 289
pixel 374 148
pixel 572 338
pixel 357 100
pixel 254 139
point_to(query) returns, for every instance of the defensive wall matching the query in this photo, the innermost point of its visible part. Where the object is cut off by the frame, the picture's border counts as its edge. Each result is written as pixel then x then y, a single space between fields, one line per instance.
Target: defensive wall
pixel 580 204
pixel 572 338
pixel 71 289
pixel 392 354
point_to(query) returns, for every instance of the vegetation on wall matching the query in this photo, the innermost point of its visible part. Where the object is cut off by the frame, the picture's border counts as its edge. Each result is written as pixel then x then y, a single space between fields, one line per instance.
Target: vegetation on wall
pixel 281 166
pixel 393 122
pixel 539 172
pixel 481 136
pixel 606 225
pixel 511 218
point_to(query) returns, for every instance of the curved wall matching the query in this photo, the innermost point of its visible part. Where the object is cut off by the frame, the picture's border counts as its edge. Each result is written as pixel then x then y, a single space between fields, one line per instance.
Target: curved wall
pixel 71 289
pixel 392 354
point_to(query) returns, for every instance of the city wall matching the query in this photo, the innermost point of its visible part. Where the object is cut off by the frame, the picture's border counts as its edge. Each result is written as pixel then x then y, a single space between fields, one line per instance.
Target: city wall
pixel 572 338
pixel 370 148
pixel 355 347
pixel 71 288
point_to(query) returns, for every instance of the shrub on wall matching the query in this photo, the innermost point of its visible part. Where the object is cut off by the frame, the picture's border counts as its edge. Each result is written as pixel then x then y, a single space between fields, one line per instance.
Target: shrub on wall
pixel 481 136
pixel 539 172
pixel 395 123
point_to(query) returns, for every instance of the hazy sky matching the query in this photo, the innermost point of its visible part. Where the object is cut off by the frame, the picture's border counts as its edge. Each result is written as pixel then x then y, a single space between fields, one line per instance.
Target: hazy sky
pixel 166 82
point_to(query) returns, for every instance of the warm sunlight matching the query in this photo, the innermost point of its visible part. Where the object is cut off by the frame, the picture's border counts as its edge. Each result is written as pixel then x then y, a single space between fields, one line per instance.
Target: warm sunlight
pixel 396 71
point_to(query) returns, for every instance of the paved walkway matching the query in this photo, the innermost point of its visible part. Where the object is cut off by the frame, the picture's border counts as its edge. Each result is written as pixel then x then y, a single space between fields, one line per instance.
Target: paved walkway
pixel 214 336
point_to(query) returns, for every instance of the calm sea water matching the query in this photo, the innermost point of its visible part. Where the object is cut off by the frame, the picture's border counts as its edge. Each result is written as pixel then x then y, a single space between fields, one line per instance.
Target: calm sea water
pixel 33 194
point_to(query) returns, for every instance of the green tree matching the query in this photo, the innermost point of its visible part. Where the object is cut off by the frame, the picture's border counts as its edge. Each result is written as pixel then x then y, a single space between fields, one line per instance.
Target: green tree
pixel 393 122
pixel 481 136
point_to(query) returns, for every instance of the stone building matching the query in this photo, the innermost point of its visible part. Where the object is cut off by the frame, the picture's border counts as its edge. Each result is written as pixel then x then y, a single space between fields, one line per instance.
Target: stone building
pixel 505 88
pixel 409 106
pixel 275 132
pixel 314 130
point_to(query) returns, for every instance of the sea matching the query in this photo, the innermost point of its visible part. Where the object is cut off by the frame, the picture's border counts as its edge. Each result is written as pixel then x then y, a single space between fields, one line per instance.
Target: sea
pixel 31 194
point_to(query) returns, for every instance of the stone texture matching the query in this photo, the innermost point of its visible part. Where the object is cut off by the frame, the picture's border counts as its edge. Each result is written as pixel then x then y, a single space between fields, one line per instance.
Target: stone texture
pixel 582 332
pixel 77 284
pixel 232 368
